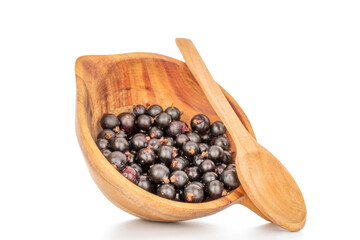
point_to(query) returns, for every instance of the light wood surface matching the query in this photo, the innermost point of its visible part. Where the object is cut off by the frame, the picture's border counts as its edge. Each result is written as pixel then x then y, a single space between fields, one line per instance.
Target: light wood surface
pixel 265 180
pixel 114 83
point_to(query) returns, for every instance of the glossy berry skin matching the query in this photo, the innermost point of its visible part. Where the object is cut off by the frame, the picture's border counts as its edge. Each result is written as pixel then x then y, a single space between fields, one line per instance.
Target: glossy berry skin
pixel 168 141
pixel 166 191
pixel 198 159
pixel 127 122
pixel 220 168
pixel 222 142
pixel 207 166
pixel 159 173
pixel 227 158
pixel 176 128
pixel 200 123
pixel 109 121
pixel 156 132
pixel 206 138
pixel 119 144
pixel 215 153
pixel 190 149
pixel 179 179
pixel 181 139
pixel 154 144
pixel 130 174
pixel 231 167
pixel 209 177
pixel 144 122
pixel 138 110
pixel 165 154
pixel 121 133
pixel 173 112
pixel 203 147
pixel 163 120
pixel 145 183
pixel 137 167
pixel 194 137
pixel 217 129
pixel 102 143
pixel 193 193
pixel 193 173
pixel 215 189
pixel 105 152
pixel 138 141
pixel 145 157
pixel 177 164
pixel 107 134
pixel 154 110
pixel 118 160
pixel 230 179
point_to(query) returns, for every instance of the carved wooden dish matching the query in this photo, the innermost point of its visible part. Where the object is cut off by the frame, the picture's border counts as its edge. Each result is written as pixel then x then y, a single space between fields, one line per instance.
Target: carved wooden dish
pixel 113 84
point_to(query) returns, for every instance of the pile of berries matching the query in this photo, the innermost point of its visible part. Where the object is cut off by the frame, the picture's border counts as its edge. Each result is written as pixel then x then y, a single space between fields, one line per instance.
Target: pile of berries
pixel 157 151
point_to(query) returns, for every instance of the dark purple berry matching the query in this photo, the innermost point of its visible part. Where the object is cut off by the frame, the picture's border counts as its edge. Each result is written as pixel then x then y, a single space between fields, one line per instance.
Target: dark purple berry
pixel 215 153
pixel 144 122
pixel 222 142
pixel 127 122
pixel 198 159
pixel 193 193
pixel 176 128
pixel 181 139
pixel 203 147
pixel 163 120
pixel 138 141
pixel 220 168
pixel 215 189
pixel 173 112
pixel 178 164
pixel 154 144
pixel 230 179
pixel 206 138
pixel 208 177
pixel 105 152
pixel 168 141
pixel 231 167
pixel 102 143
pixel 121 133
pixel 200 123
pixel 190 149
pixel 145 157
pixel 138 110
pixel 193 173
pixel 207 166
pixel 130 174
pixel 119 144
pixel 166 154
pixel 217 129
pixel 194 137
pixel 145 183
pixel 179 179
pixel 227 158
pixel 155 132
pixel 109 121
pixel 154 110
pixel 118 160
pixel 137 168
pixel 159 173
pixel 107 134
pixel 166 191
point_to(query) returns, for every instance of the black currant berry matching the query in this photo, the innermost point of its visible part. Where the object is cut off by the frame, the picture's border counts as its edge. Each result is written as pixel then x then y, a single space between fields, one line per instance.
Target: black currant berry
pixel 200 123
pixel 181 139
pixel 138 110
pixel 206 138
pixel 217 129
pixel 154 110
pixel 220 168
pixel 231 167
pixel 207 166
pixel 198 159
pixel 130 174
pixel 159 173
pixel 109 121
pixel 203 147
pixel 227 158
pixel 107 134
pixel 102 143
pixel 176 128
pixel 119 144
pixel 215 189
pixel 193 173
pixel 118 160
pixel 166 190
pixel 209 177
pixel 179 179
pixel 190 149
pixel 194 137
pixel 215 153
pixel 222 142
pixel 163 120
pixel 127 122
pixel 230 179
pixel 144 122
pixel 154 144
pixel 178 164
pixel 166 154
pixel 193 193
pixel 173 112
pixel 168 141
pixel 138 141
pixel 137 168
pixel 105 152
pixel 145 183
pixel 145 157
pixel 121 133
pixel 156 132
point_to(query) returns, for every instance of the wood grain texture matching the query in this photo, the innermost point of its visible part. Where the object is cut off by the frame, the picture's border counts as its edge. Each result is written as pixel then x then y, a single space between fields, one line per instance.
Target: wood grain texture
pixel 114 83
pixel 265 180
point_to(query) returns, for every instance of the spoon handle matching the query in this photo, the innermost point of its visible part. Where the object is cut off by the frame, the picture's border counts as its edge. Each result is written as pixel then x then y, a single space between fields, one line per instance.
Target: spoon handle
pixel 214 95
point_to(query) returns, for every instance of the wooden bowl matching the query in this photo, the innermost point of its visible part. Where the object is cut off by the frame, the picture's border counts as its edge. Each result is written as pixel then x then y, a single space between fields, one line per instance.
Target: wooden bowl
pixel 113 84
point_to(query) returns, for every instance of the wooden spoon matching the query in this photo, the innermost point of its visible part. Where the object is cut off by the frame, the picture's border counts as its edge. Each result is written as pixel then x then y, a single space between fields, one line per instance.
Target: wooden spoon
pixel 114 83
pixel 265 180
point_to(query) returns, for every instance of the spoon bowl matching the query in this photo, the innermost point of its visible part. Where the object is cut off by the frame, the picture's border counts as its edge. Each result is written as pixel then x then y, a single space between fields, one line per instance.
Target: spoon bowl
pixel 114 83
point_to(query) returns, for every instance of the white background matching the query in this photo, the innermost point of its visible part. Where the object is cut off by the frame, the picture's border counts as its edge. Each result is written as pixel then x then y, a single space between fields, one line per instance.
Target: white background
pixel 292 65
